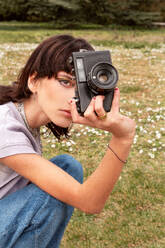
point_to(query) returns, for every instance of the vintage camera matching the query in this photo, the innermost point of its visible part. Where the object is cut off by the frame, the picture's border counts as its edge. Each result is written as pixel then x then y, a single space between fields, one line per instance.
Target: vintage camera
pixel 95 75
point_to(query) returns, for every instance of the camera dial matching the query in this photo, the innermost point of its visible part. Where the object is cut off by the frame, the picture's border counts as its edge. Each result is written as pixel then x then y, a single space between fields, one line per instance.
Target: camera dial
pixel 102 78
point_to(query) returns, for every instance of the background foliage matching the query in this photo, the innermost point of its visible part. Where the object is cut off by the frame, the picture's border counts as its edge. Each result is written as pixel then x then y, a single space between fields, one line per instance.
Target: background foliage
pixel 125 12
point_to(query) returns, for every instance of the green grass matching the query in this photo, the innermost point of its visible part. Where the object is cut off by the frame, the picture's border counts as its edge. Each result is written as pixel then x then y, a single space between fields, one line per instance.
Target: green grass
pixel 97 34
pixel 134 215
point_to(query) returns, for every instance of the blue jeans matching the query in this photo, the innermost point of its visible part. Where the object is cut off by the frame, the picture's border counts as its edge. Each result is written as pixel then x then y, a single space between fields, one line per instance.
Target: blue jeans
pixel 31 218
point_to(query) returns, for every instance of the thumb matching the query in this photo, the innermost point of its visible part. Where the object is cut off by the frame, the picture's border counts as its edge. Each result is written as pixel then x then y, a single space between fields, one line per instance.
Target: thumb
pixel 76 118
pixel 116 101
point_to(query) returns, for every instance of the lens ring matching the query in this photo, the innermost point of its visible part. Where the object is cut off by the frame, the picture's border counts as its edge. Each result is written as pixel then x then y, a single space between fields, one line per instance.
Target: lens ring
pixel 111 73
pixel 102 76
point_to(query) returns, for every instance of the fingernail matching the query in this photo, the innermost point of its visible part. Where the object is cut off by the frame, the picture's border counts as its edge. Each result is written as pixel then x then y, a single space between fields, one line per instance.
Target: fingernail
pixel 116 88
pixel 94 98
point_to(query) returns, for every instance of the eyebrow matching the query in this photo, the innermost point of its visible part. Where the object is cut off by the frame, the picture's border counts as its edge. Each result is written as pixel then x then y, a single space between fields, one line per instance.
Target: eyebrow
pixel 72 78
pixel 66 76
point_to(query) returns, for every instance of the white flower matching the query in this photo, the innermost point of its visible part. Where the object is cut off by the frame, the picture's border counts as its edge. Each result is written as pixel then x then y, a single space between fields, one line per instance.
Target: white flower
pixel 44 130
pixel 141 151
pixel 68 143
pixel 148 109
pixel 151 155
pixel 135 139
pixel 53 145
pixel 45 135
pixel 158 135
pixel 119 178
pixel 78 134
pixel 158 117
pixel 73 143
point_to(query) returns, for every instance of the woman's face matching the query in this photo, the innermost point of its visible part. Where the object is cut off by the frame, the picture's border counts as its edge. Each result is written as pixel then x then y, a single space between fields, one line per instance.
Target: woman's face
pixel 53 97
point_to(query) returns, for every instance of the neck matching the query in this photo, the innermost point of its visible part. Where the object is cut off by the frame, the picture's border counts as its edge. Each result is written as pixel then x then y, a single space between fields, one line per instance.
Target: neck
pixel 34 115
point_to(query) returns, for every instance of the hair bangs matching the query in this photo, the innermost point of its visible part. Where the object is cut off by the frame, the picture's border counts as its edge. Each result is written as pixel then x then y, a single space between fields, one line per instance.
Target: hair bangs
pixel 59 59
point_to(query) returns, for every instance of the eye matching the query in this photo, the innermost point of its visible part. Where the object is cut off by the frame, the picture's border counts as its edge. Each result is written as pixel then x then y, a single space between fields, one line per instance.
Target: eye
pixel 66 83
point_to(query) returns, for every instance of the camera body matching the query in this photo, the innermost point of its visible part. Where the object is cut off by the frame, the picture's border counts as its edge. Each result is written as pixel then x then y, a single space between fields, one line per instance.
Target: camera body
pixel 95 75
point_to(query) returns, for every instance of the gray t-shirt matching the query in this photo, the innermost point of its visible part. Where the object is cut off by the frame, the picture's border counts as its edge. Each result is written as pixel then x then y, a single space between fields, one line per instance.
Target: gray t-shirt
pixel 15 138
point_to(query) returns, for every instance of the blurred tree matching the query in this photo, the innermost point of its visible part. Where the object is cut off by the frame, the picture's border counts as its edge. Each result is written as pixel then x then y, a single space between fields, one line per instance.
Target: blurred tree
pixel 124 12
pixel 32 10
pixel 67 10
pixel 71 4
pixel 134 12
pixel 97 12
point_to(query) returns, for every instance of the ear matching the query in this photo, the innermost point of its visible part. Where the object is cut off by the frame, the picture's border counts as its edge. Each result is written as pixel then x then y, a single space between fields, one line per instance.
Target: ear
pixel 33 83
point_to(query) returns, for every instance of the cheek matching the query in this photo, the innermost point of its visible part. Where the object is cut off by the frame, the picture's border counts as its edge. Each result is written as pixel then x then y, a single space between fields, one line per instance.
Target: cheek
pixel 53 95
pixel 46 93
pixel 50 100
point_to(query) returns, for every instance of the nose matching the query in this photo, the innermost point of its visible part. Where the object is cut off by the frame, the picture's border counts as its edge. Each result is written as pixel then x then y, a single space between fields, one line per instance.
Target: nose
pixel 72 93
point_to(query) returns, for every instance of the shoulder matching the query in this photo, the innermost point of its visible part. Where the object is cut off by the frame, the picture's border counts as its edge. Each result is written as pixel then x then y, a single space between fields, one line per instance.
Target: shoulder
pixel 16 138
pixel 10 118
pixel 8 111
pixel 4 110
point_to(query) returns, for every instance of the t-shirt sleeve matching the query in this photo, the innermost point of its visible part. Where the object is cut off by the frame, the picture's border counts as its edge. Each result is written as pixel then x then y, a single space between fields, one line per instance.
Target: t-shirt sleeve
pixel 14 138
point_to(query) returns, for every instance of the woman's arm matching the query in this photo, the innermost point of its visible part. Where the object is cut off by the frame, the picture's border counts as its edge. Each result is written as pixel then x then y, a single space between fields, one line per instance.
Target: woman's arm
pixel 90 196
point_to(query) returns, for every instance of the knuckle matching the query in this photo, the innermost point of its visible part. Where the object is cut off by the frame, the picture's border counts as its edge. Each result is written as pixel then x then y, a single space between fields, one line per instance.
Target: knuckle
pixel 99 109
pixel 86 114
pixel 74 119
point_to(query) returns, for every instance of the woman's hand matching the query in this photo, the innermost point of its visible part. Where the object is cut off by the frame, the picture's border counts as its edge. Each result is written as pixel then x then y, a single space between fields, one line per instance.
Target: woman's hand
pixel 119 125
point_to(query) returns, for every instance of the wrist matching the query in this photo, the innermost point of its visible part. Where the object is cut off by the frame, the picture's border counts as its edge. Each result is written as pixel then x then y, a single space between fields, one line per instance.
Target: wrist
pixel 126 140
pixel 121 146
pixel 116 155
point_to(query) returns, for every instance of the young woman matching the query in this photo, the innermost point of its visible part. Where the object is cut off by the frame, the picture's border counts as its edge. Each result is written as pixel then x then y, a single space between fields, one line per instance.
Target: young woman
pixel 37 195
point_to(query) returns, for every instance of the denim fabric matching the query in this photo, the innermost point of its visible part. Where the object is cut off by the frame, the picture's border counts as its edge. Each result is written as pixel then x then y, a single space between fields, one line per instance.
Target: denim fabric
pixel 31 218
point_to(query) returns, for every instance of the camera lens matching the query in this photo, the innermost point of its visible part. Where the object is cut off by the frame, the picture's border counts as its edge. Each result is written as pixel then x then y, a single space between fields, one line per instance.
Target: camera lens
pixel 102 78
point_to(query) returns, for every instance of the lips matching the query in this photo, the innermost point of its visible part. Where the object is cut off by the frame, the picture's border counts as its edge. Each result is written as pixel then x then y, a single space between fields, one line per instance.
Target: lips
pixel 66 112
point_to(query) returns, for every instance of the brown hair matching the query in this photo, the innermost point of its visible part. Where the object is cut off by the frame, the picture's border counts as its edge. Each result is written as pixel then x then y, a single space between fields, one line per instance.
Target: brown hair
pixel 50 57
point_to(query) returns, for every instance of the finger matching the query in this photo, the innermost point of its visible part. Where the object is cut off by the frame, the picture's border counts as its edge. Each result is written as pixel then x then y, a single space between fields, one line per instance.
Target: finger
pixel 89 113
pixel 76 118
pixel 116 100
pixel 99 109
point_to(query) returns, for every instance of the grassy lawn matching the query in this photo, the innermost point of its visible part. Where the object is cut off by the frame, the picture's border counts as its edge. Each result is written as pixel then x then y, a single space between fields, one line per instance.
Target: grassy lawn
pixel 134 215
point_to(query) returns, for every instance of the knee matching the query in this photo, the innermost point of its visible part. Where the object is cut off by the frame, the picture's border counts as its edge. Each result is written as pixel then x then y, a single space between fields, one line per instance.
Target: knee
pixel 70 165
pixel 74 168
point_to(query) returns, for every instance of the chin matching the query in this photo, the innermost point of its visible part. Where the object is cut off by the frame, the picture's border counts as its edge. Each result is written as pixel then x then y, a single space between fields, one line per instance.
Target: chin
pixel 63 124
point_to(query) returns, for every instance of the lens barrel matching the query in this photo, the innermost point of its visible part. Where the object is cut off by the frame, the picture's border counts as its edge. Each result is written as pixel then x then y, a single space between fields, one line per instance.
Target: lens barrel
pixel 102 78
